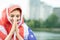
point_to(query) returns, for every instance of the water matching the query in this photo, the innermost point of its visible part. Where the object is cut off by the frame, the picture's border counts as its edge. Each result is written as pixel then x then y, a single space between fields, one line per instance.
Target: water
pixel 47 36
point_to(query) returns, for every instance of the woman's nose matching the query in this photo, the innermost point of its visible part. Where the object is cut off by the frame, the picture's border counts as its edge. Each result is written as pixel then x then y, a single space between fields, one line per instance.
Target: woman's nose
pixel 15 18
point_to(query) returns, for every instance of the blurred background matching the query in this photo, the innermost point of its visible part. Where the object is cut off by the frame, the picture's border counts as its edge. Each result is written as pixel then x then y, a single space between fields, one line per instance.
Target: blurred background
pixel 42 16
pixel 44 19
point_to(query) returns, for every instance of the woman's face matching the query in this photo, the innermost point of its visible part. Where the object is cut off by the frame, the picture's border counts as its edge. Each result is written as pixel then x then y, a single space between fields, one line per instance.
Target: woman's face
pixel 15 14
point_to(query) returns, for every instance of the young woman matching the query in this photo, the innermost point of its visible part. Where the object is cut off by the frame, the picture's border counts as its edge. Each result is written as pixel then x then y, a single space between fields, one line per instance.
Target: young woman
pixel 12 26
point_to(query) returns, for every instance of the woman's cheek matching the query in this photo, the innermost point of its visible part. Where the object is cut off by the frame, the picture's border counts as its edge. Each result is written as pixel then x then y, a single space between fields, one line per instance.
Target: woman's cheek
pixel 18 19
pixel 11 20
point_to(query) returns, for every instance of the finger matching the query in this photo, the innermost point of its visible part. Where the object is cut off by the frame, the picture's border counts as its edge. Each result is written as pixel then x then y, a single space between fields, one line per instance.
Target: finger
pixel 14 20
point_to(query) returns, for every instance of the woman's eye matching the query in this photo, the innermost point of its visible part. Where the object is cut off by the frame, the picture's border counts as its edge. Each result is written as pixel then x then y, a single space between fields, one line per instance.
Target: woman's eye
pixel 12 15
pixel 17 15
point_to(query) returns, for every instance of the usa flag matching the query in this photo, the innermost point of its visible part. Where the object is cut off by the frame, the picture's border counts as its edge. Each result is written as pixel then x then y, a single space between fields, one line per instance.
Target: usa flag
pixel 31 35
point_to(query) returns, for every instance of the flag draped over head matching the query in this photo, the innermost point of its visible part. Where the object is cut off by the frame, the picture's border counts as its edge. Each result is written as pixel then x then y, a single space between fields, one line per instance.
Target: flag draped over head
pixel 6 3
pixel 25 32
pixel 5 24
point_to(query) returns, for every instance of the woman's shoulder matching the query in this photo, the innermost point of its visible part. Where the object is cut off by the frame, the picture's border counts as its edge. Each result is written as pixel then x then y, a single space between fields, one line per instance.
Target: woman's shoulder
pixel 28 33
pixel 25 25
pixel 3 30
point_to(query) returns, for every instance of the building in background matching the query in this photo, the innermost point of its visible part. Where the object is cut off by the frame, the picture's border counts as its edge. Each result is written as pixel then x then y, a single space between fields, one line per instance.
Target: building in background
pixel 57 12
pixel 45 10
pixel 39 10
pixel 34 9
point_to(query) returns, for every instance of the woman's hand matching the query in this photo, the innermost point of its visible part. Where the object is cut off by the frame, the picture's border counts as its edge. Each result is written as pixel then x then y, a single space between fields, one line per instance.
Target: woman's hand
pixel 17 33
pixel 12 31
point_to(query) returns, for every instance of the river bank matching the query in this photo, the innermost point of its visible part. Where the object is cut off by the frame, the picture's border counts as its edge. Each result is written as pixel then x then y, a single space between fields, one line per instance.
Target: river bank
pixel 55 30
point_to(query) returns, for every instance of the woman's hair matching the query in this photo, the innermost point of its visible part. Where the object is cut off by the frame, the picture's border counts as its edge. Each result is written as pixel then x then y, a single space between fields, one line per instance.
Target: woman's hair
pixel 17 9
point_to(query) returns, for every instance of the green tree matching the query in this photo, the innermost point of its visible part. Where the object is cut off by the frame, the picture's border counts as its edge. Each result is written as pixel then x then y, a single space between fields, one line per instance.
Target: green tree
pixel 51 21
pixel 33 23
